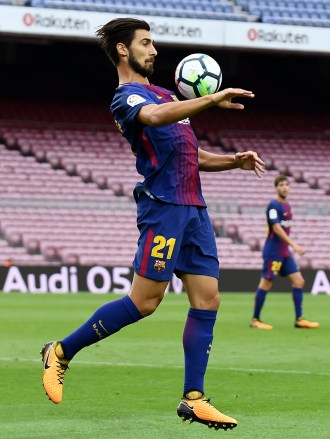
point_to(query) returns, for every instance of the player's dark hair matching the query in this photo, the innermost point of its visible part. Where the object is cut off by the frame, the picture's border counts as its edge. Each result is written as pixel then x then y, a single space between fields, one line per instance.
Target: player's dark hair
pixel 119 30
pixel 279 179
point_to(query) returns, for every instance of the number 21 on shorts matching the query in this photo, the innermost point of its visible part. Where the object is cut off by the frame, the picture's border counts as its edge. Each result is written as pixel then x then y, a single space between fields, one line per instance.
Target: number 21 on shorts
pixel 276 266
pixel 163 247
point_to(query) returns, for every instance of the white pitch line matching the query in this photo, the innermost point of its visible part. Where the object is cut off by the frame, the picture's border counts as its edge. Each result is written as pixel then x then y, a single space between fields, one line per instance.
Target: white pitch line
pixel 170 366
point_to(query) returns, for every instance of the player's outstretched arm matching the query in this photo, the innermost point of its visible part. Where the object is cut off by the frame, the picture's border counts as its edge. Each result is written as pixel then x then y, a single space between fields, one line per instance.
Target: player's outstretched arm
pixel 163 114
pixel 248 160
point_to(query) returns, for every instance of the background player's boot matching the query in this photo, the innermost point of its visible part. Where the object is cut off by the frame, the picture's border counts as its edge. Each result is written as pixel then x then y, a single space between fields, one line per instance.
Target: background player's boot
pixel 55 366
pixel 256 323
pixel 303 323
pixel 194 407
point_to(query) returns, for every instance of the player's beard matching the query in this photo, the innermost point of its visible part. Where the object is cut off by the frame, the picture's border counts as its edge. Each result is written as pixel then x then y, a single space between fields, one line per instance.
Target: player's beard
pixel 282 196
pixel 146 72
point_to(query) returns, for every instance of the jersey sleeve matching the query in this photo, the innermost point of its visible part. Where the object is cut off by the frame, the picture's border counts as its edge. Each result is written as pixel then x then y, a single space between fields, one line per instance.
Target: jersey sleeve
pixel 127 102
pixel 273 213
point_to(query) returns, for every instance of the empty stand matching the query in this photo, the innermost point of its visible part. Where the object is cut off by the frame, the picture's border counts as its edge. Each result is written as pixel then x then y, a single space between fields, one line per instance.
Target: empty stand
pixel 288 12
pixel 198 9
pixel 66 191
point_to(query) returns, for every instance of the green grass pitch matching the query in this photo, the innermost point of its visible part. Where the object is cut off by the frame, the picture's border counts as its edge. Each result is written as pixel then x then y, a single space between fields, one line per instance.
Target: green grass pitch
pixel 275 383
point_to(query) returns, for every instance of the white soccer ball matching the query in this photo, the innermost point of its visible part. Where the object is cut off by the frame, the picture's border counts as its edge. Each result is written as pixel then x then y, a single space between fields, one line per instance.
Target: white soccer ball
pixel 198 75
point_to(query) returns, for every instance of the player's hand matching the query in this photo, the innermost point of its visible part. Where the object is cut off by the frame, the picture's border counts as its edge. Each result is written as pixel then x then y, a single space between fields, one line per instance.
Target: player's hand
pixel 250 161
pixel 298 249
pixel 224 98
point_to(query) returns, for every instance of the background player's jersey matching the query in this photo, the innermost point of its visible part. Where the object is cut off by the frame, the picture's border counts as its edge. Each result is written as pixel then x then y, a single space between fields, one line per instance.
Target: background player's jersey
pixel 166 156
pixel 275 247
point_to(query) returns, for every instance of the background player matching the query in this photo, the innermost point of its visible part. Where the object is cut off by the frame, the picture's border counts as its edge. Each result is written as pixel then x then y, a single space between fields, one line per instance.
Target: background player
pixel 176 234
pixel 278 259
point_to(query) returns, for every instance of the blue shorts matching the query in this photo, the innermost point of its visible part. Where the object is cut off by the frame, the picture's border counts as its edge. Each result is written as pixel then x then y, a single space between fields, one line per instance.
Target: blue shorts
pixel 174 239
pixel 281 266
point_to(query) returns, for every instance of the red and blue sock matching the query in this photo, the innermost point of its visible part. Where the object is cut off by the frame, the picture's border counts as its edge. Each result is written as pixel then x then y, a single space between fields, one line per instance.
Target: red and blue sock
pixel 297 296
pixel 107 320
pixel 259 302
pixel 197 341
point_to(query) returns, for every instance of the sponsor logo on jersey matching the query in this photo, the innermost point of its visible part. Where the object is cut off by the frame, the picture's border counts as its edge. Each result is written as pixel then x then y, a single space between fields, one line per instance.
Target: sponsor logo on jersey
pixel 134 100
pixel 185 121
pixel 286 223
pixel 160 265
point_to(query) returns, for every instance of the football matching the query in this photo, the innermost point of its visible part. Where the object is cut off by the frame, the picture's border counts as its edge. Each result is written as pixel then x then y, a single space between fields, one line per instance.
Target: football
pixel 198 75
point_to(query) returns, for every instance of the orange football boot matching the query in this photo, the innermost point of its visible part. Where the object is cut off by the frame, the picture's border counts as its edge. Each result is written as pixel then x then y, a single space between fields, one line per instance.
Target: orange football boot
pixel 256 323
pixel 194 407
pixel 55 366
pixel 303 323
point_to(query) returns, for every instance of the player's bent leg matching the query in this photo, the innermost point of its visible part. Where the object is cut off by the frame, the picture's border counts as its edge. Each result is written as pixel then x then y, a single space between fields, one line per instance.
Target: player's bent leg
pixel 55 366
pixel 107 320
pixel 195 407
pixel 147 294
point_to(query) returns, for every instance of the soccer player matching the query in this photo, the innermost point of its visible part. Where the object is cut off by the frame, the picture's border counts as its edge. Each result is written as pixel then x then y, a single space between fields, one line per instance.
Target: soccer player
pixel 278 258
pixel 176 234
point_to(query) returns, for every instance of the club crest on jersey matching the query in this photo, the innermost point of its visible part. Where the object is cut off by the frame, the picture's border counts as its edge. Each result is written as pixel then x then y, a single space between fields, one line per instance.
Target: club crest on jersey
pixel 134 100
pixel 160 266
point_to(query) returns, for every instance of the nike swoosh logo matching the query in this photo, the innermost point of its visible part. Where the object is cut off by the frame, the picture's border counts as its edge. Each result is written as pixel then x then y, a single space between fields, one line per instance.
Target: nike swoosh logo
pixel 101 324
pixel 47 366
pixel 187 405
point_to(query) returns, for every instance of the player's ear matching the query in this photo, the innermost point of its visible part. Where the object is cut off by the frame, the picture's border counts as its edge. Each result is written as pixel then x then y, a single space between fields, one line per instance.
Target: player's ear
pixel 122 49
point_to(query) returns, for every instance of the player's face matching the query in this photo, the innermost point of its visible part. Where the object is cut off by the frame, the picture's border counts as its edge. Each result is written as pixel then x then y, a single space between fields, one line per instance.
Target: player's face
pixel 142 53
pixel 282 189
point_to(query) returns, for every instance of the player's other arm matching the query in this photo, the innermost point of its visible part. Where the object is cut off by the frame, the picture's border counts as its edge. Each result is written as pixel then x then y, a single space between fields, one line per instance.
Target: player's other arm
pixel 169 112
pixel 248 160
pixel 281 233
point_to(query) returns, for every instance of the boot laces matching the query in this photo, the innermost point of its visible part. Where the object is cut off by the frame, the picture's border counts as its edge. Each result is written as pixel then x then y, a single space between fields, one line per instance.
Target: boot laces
pixel 61 369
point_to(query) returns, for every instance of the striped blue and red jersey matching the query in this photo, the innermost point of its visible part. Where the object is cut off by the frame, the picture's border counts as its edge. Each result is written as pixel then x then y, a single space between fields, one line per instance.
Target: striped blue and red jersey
pixel 275 247
pixel 166 156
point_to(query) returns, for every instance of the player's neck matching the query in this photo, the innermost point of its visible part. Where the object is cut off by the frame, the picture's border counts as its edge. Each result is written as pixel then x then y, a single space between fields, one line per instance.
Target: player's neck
pixel 281 199
pixel 127 76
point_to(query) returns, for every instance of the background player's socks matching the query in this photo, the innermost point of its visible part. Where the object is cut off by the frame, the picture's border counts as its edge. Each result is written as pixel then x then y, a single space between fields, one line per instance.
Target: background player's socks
pixel 107 320
pixel 197 340
pixel 259 302
pixel 297 296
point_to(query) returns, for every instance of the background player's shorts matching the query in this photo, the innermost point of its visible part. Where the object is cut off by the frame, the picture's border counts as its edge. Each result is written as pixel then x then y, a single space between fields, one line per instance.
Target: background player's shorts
pixel 174 238
pixel 281 266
